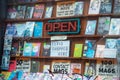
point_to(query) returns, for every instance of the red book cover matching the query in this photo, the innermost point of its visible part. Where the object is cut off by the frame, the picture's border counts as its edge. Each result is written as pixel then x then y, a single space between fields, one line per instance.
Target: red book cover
pixel 38 12
pixel 12 65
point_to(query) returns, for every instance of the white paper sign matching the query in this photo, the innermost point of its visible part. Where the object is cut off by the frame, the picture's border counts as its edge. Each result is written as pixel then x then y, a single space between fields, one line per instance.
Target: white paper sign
pixel 60 48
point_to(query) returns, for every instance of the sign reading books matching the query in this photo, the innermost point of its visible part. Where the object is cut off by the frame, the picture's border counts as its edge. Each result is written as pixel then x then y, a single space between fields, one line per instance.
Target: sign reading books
pixel 61 66
pixel 60 48
pixel 65 9
pixel 63 26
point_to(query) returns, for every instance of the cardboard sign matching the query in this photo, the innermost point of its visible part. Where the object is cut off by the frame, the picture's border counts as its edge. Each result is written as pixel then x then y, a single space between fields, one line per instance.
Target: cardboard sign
pixel 63 26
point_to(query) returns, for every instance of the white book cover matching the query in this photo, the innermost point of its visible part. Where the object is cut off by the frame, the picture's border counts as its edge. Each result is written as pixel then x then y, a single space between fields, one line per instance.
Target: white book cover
pixel 91 27
pixel 49 10
pixel 26 65
pixel 94 7
pixel 75 68
pixel 114 26
pixel 60 48
pixel 99 51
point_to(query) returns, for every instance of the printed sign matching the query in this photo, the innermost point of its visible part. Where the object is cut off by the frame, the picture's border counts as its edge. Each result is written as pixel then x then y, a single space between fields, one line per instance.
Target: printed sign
pixel 63 26
pixel 60 48
pixel 65 9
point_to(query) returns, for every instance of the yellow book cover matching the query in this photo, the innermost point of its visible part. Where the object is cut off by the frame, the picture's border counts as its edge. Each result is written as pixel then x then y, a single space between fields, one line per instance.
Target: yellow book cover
pixel 78 50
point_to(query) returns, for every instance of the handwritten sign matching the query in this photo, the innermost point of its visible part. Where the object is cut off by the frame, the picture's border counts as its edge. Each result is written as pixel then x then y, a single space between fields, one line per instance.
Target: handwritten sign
pixel 65 9
pixel 63 26
pixel 60 48
pixel 61 67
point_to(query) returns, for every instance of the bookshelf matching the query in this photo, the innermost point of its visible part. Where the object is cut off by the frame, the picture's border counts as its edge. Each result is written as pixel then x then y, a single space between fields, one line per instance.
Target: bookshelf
pixel 78 38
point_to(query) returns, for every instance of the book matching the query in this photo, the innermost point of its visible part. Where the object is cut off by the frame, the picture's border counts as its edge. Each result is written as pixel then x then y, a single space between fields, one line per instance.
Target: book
pixel 103 25
pixel 114 26
pixel 29 27
pixel 12 65
pixel 20 49
pixel 5 62
pixel 8 42
pixel 38 11
pixel 46 68
pixel 116 8
pixel 106 6
pixel 6 74
pixel 94 6
pixel 29 12
pixel 46 49
pixel 78 50
pixel 60 48
pixel 99 51
pixel 67 10
pixel 38 28
pixel 89 49
pixel 27 49
pixel 19 29
pixel 35 66
pixel 35 49
pixel 12 12
pixel 79 6
pixel 90 68
pixel 10 30
pixel 111 43
pixel 6 52
pixel 75 68
pixel 19 64
pixel 60 66
pixel 48 11
pixel 14 49
pixel 26 65
pixel 91 27
pixel 21 11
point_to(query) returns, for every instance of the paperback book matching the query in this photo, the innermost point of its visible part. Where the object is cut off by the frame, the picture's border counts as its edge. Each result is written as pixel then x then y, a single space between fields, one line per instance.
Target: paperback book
pixel 7 42
pixel 91 27
pixel 94 6
pixel 103 25
pixel 116 9
pixel 89 49
pixel 46 49
pixel 35 66
pixel 106 6
pixel 79 6
pixel 75 68
pixel 26 65
pixel 36 49
pixel 14 49
pixel 19 64
pixel 12 12
pixel 99 51
pixel 49 10
pixel 78 50
pixel 12 65
pixel 29 12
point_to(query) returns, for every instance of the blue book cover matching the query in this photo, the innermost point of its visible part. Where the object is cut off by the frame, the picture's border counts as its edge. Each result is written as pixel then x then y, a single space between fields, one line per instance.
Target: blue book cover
pixel 10 30
pixel 38 29
pixel 27 49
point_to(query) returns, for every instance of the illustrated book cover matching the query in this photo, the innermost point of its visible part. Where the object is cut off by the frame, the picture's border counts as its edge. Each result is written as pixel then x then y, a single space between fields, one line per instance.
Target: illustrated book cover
pixel 46 49
pixel 48 11
pixel 36 49
pixel 12 12
pixel 38 29
pixel 103 25
pixel 94 6
pixel 91 27
pixel 75 68
pixel 29 12
pixel 78 50
pixel 116 9
pixel 60 48
pixel 35 66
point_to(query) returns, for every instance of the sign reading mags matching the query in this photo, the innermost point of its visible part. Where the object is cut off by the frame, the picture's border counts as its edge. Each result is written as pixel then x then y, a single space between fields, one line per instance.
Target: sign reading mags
pixel 65 9
pixel 63 26
pixel 60 48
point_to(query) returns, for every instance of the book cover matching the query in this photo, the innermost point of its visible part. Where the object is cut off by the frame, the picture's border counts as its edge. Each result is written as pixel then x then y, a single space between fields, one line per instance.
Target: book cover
pixel 12 65
pixel 94 6
pixel 75 68
pixel 5 62
pixel 114 26
pixel 78 50
pixel 21 48
pixel 19 64
pixel 67 10
pixel 91 27
pixel 10 30
pixel 6 74
pixel 19 29
pixel 8 42
pixel 29 27
pixel 14 49
pixel 6 52
pixel 27 49
pixel 38 11
pixel 38 28
pixel 35 49
pixel 21 11
pixel 60 66
pixel 12 12
pixel 111 43
pixel 79 6
pixel 89 49
pixel 60 48
pixel 103 25
pixel 35 66
pixel 106 6
pixel 29 12
pixel 26 65
pixel 46 49
pixel 99 51
pixel 90 68
pixel 116 8
pixel 46 68
pixel 49 10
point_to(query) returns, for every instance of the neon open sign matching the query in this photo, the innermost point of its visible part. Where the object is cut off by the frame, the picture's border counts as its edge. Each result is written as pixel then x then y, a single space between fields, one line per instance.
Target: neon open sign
pixel 63 26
